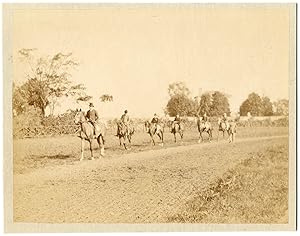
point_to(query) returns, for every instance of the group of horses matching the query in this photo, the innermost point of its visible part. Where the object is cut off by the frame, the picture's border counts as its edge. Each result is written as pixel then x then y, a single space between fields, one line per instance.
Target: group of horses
pixel 125 132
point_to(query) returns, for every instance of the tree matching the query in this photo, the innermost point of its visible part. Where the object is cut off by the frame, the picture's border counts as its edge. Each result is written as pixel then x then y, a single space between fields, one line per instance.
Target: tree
pixel 178 88
pixel 180 104
pixel 219 105
pixel 205 104
pixel 48 79
pixel 282 107
pixel 266 107
pixel 106 98
pixel 252 104
pixel 19 100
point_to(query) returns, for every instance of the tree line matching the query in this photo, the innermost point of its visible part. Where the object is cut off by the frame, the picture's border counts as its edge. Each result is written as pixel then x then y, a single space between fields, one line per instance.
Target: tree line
pixel 48 79
pixel 216 103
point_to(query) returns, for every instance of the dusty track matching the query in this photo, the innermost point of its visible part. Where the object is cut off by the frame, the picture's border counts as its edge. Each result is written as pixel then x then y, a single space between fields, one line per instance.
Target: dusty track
pixel 133 188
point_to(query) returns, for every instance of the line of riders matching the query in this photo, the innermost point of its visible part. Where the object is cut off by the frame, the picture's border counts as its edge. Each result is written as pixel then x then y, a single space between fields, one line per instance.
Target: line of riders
pixel 124 122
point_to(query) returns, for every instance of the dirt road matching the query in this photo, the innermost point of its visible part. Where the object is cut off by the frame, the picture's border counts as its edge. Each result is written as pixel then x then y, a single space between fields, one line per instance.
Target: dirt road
pixel 144 187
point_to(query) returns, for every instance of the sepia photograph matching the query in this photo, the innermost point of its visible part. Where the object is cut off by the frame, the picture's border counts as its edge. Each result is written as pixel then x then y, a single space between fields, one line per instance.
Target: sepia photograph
pixel 149 117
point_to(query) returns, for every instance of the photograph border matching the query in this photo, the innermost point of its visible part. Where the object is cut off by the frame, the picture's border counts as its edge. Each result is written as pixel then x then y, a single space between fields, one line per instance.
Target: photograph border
pixel 11 227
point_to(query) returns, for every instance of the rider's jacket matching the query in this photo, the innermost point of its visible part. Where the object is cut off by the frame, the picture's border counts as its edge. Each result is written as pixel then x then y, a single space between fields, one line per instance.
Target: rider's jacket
pixel 154 120
pixel 177 119
pixel 125 119
pixel 92 115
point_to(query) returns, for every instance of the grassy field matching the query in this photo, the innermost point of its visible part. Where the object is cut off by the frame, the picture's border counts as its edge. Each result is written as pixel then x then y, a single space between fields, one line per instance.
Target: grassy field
pixel 254 191
pixel 30 154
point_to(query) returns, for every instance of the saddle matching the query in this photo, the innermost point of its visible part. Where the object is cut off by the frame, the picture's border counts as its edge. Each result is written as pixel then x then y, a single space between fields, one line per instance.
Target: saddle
pixel 98 128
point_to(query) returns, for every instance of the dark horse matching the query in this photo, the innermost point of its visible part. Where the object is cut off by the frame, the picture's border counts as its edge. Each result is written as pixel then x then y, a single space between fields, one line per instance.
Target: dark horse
pixel 204 128
pixel 124 133
pixel 222 128
pixel 175 128
pixel 87 133
pixel 153 129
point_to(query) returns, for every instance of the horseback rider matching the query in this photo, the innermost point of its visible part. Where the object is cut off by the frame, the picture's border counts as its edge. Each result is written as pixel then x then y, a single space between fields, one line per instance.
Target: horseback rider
pixel 205 120
pixel 225 120
pixel 124 121
pixel 177 120
pixel 92 116
pixel 155 121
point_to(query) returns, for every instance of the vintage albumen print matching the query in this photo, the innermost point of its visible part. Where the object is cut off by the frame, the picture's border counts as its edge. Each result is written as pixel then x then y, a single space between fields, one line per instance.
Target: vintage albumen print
pixel 149 117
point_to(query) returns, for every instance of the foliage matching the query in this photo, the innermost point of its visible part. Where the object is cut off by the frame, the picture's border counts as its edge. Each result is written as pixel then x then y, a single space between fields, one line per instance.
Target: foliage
pixel 220 104
pixel 178 88
pixel 106 98
pixel 48 79
pixel 282 107
pixel 181 105
pixel 257 106
pixel 252 104
pixel 266 106
pixel 205 104
pixel 180 102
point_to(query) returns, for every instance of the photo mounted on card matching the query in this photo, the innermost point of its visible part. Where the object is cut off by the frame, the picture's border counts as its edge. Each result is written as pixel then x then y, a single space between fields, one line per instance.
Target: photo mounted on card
pixel 149 117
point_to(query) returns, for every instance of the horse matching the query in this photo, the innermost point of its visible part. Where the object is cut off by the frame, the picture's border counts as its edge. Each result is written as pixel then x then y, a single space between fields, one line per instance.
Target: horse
pixel 153 129
pixel 177 129
pixel 232 131
pixel 87 133
pixel 125 133
pixel 203 128
pixel 222 128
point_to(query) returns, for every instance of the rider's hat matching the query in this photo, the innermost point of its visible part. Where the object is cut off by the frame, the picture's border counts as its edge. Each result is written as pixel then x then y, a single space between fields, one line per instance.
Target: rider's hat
pixel 155 114
pixel 125 111
pixel 91 104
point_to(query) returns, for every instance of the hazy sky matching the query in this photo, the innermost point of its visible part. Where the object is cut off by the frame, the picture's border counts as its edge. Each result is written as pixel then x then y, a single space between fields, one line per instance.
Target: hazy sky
pixel 134 52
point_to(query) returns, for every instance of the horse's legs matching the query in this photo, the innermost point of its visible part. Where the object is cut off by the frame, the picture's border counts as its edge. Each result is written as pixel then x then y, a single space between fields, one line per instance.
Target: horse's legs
pixel 124 143
pixel 158 134
pixel 103 140
pixel 120 140
pixel 129 141
pixel 152 139
pixel 91 149
pixel 175 137
pixel 101 145
pixel 161 136
pixel 82 149
pixel 200 137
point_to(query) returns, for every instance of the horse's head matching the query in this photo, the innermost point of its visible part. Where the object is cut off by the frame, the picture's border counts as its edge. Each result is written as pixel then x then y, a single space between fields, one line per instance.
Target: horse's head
pixel 79 117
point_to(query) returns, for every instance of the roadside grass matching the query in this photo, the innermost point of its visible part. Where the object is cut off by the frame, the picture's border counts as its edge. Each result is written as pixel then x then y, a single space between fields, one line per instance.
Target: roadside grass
pixel 255 191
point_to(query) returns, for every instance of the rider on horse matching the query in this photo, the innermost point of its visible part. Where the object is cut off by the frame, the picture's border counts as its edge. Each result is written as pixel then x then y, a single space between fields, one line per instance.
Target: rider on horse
pixel 224 119
pixel 205 120
pixel 92 116
pixel 124 121
pixel 177 120
pixel 155 121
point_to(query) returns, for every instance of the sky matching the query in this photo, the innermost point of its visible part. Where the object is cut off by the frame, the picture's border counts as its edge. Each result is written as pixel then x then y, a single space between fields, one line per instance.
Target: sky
pixel 135 52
